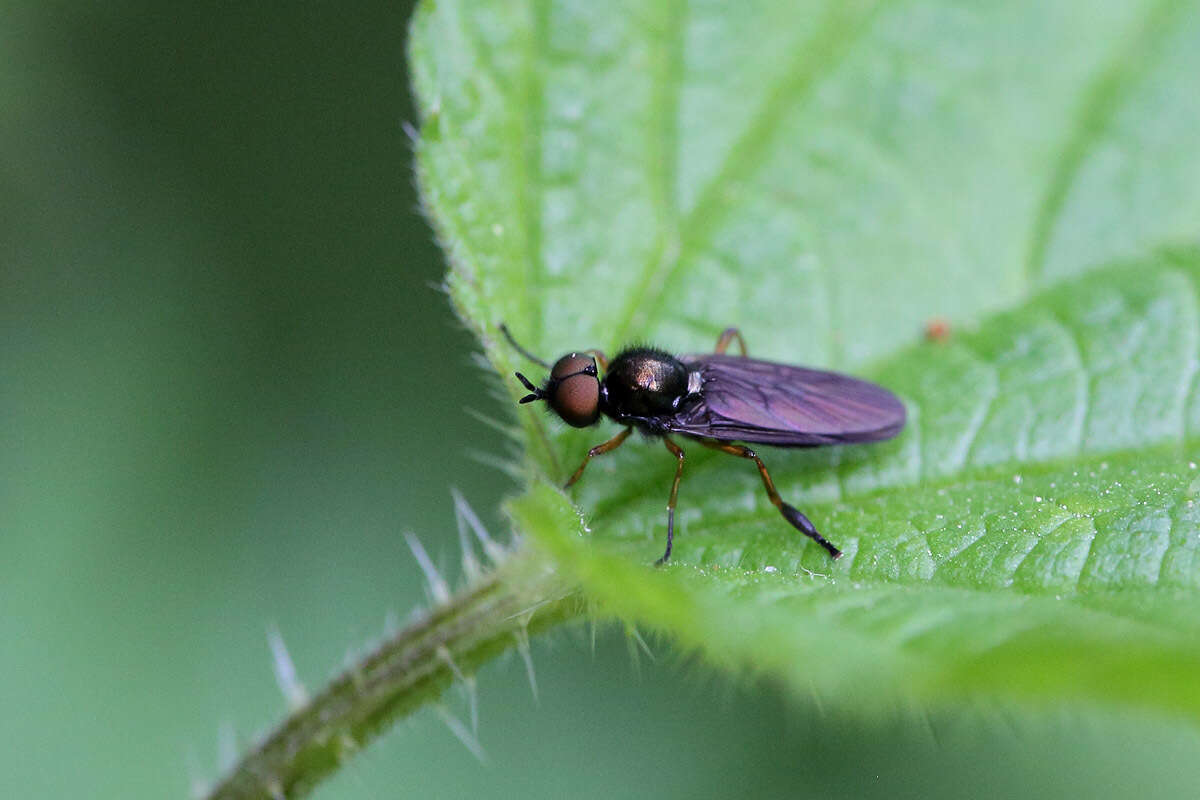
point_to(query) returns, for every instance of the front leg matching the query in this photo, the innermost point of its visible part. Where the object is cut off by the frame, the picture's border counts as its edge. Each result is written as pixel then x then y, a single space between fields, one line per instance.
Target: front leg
pixel 600 449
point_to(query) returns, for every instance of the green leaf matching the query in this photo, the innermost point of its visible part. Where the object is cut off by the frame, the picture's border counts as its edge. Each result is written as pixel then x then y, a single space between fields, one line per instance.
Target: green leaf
pixel 1035 532
pixel 829 177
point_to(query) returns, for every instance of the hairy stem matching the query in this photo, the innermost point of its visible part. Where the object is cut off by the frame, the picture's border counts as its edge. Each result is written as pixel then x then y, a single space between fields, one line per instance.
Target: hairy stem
pixel 410 669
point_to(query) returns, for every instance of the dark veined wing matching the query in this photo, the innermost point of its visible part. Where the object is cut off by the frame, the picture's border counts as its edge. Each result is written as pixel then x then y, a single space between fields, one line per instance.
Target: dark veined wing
pixel 747 400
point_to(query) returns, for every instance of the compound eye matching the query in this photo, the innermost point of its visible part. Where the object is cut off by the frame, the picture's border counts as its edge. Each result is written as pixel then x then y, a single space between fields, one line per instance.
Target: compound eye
pixel 571 364
pixel 577 399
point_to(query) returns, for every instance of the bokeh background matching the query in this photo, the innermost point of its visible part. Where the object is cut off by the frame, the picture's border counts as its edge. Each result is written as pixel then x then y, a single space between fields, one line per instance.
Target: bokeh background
pixel 228 385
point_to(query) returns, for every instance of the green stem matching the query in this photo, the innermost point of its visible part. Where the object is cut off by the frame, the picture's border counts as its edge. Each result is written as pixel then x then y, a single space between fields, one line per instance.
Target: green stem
pixel 412 668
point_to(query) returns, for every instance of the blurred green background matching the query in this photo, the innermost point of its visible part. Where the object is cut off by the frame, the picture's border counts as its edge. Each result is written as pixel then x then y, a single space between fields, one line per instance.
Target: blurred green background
pixel 227 386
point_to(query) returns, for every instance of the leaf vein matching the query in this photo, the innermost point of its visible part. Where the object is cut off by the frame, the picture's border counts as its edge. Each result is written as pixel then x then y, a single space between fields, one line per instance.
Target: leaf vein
pixel 1049 531
pixel 816 58
pixel 1108 89
pixel 1187 382
pixel 1087 558
pixel 1083 398
pixel 531 189
pixel 980 418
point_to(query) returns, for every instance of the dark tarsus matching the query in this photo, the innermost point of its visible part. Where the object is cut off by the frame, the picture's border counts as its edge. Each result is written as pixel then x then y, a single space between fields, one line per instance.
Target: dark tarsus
pixel 717 399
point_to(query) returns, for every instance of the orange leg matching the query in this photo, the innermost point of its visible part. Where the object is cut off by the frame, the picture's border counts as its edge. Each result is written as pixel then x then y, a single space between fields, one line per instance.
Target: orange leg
pixel 600 358
pixel 727 336
pixel 600 449
pixel 676 451
pixel 793 516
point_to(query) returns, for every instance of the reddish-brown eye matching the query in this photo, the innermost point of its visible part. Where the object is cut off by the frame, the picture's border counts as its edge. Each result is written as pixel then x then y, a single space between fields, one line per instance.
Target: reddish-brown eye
pixel 572 363
pixel 577 399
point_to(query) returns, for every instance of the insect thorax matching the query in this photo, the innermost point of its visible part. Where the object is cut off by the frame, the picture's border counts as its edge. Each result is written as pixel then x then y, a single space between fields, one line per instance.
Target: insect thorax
pixel 643 382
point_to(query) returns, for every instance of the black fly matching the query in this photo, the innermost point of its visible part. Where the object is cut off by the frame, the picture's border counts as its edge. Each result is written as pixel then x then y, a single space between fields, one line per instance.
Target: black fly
pixel 716 399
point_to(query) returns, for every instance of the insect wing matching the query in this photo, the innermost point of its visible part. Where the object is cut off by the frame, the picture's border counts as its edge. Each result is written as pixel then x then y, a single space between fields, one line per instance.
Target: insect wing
pixel 747 400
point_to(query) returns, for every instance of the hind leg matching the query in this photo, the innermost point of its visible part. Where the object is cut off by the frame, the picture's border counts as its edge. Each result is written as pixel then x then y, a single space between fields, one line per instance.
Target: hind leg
pixel 790 513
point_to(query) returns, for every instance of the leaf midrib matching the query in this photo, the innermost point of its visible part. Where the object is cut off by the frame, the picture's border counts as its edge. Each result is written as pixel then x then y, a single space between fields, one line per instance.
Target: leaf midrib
pixel 1109 88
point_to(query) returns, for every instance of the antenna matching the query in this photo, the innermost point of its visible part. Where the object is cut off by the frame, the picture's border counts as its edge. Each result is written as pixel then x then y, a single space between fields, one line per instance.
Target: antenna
pixel 522 351
pixel 538 394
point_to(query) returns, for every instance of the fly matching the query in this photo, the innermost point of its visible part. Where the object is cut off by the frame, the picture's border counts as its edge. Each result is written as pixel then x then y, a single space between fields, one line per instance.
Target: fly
pixel 721 401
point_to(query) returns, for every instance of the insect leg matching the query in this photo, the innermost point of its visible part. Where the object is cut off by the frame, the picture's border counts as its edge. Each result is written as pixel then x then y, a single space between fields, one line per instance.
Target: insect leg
pixel 790 513
pixel 727 336
pixel 677 451
pixel 601 359
pixel 600 449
